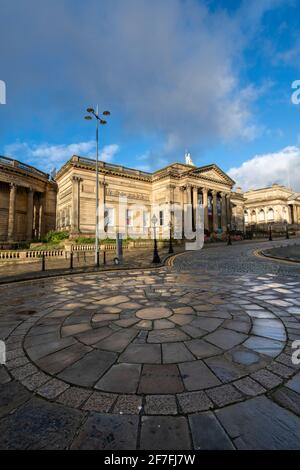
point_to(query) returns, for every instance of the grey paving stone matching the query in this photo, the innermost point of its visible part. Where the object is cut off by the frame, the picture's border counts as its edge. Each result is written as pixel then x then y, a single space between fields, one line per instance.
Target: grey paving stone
pixel 142 354
pixel 128 405
pixel 160 405
pixel 208 324
pixel 191 402
pixel 288 399
pixel 224 395
pixel 266 346
pixel 269 328
pixel 193 331
pixel 197 376
pixel 93 336
pixel 52 389
pixel 101 402
pixel 249 387
pixel 245 357
pixel 160 379
pixel 224 369
pixel 120 378
pixel 225 339
pixel 208 434
pixel 36 380
pixel 56 362
pixel 4 376
pixel 39 425
pixel 107 432
pixel 12 395
pixel 118 341
pixel 175 352
pixel 294 383
pixel 280 369
pixel 24 371
pixel 201 349
pixel 260 424
pixel 266 378
pixel 165 433
pixel 74 397
pixel 167 336
pixel 88 370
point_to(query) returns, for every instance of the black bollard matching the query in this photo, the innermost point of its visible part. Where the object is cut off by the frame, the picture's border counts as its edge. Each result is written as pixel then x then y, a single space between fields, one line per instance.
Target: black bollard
pixel 43 262
pixel 71 260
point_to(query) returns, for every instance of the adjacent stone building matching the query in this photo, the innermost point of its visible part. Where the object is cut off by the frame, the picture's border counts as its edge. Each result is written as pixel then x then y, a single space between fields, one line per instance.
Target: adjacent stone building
pixel 27 202
pixel 276 204
pixel 173 186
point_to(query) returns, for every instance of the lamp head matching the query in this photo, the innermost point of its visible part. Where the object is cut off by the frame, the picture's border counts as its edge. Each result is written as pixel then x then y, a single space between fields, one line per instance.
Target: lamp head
pixel 90 110
pixel 106 113
pixel 88 118
pixel 102 121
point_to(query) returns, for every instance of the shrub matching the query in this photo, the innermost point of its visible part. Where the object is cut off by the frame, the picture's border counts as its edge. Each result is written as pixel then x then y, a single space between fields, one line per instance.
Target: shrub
pixel 55 237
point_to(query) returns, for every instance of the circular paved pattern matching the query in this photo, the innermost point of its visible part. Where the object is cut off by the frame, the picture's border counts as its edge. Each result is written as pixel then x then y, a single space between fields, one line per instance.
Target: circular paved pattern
pixel 154 341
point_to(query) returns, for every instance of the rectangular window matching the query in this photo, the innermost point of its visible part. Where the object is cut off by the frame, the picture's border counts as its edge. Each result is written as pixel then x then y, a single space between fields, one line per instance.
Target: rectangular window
pixel 146 219
pixel 161 218
pixel 129 218
pixel 110 217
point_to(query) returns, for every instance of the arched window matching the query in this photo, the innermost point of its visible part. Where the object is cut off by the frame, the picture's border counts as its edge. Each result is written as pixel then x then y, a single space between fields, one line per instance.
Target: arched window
pixel 246 217
pixel 270 214
pixel 253 216
pixel 261 215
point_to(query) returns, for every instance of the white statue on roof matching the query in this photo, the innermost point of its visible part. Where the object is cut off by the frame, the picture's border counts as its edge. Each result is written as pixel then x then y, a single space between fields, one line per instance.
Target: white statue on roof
pixel 188 159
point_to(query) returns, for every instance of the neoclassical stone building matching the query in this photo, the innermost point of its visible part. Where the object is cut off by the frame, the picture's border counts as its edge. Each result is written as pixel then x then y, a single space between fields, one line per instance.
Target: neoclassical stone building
pixel 276 204
pixel 173 186
pixel 27 202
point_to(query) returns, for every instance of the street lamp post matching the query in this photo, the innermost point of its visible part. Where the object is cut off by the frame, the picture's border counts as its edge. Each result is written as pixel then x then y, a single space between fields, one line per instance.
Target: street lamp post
pixel 101 121
pixel 287 236
pixel 170 238
pixel 270 233
pixel 229 242
pixel 156 258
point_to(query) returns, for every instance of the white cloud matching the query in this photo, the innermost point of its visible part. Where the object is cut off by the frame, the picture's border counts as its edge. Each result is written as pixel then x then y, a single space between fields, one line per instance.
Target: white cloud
pixel 47 156
pixel 263 170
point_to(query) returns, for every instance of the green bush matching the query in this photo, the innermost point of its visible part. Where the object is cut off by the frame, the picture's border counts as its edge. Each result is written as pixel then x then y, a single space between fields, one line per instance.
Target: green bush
pixel 55 237
pixel 84 240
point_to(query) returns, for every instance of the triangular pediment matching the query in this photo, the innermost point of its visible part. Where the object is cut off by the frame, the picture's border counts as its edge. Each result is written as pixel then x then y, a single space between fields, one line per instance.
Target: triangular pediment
pixel 213 173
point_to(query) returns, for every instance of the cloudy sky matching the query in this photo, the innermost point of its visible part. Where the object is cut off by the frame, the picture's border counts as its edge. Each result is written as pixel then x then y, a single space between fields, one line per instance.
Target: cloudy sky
pixel 210 76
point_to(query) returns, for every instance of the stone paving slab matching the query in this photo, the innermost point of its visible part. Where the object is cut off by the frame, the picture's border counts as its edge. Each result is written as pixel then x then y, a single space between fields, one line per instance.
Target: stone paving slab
pixel 215 340
pixel 249 424
pixel 107 432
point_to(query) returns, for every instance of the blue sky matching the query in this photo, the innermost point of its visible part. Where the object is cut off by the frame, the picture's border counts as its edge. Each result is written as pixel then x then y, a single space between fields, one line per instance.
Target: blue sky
pixel 212 77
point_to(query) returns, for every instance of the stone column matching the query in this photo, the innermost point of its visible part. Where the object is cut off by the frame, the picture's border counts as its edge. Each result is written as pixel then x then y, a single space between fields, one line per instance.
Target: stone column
pixel 12 212
pixel 195 203
pixel 183 198
pixel 205 207
pixel 29 214
pixel 295 214
pixel 228 210
pixel 75 204
pixel 42 215
pixel 215 211
pixel 223 215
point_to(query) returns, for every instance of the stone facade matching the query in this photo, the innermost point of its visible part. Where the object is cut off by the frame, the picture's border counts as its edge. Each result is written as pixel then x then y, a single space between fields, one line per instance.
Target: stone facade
pixel 276 204
pixel 173 186
pixel 27 202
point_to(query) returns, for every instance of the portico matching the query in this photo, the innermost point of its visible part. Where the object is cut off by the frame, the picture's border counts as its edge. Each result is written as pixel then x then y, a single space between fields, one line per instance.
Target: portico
pixel 27 203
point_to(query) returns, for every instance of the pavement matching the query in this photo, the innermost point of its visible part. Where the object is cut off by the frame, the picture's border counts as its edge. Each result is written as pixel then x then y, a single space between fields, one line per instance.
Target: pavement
pixel 193 355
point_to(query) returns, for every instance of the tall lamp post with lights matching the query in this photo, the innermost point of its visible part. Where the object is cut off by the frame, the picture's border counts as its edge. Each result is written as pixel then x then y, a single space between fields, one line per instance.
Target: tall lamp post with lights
pixel 99 120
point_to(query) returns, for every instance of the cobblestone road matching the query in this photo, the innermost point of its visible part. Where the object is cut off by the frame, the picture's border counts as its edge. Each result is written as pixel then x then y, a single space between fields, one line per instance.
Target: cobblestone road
pixel 196 355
